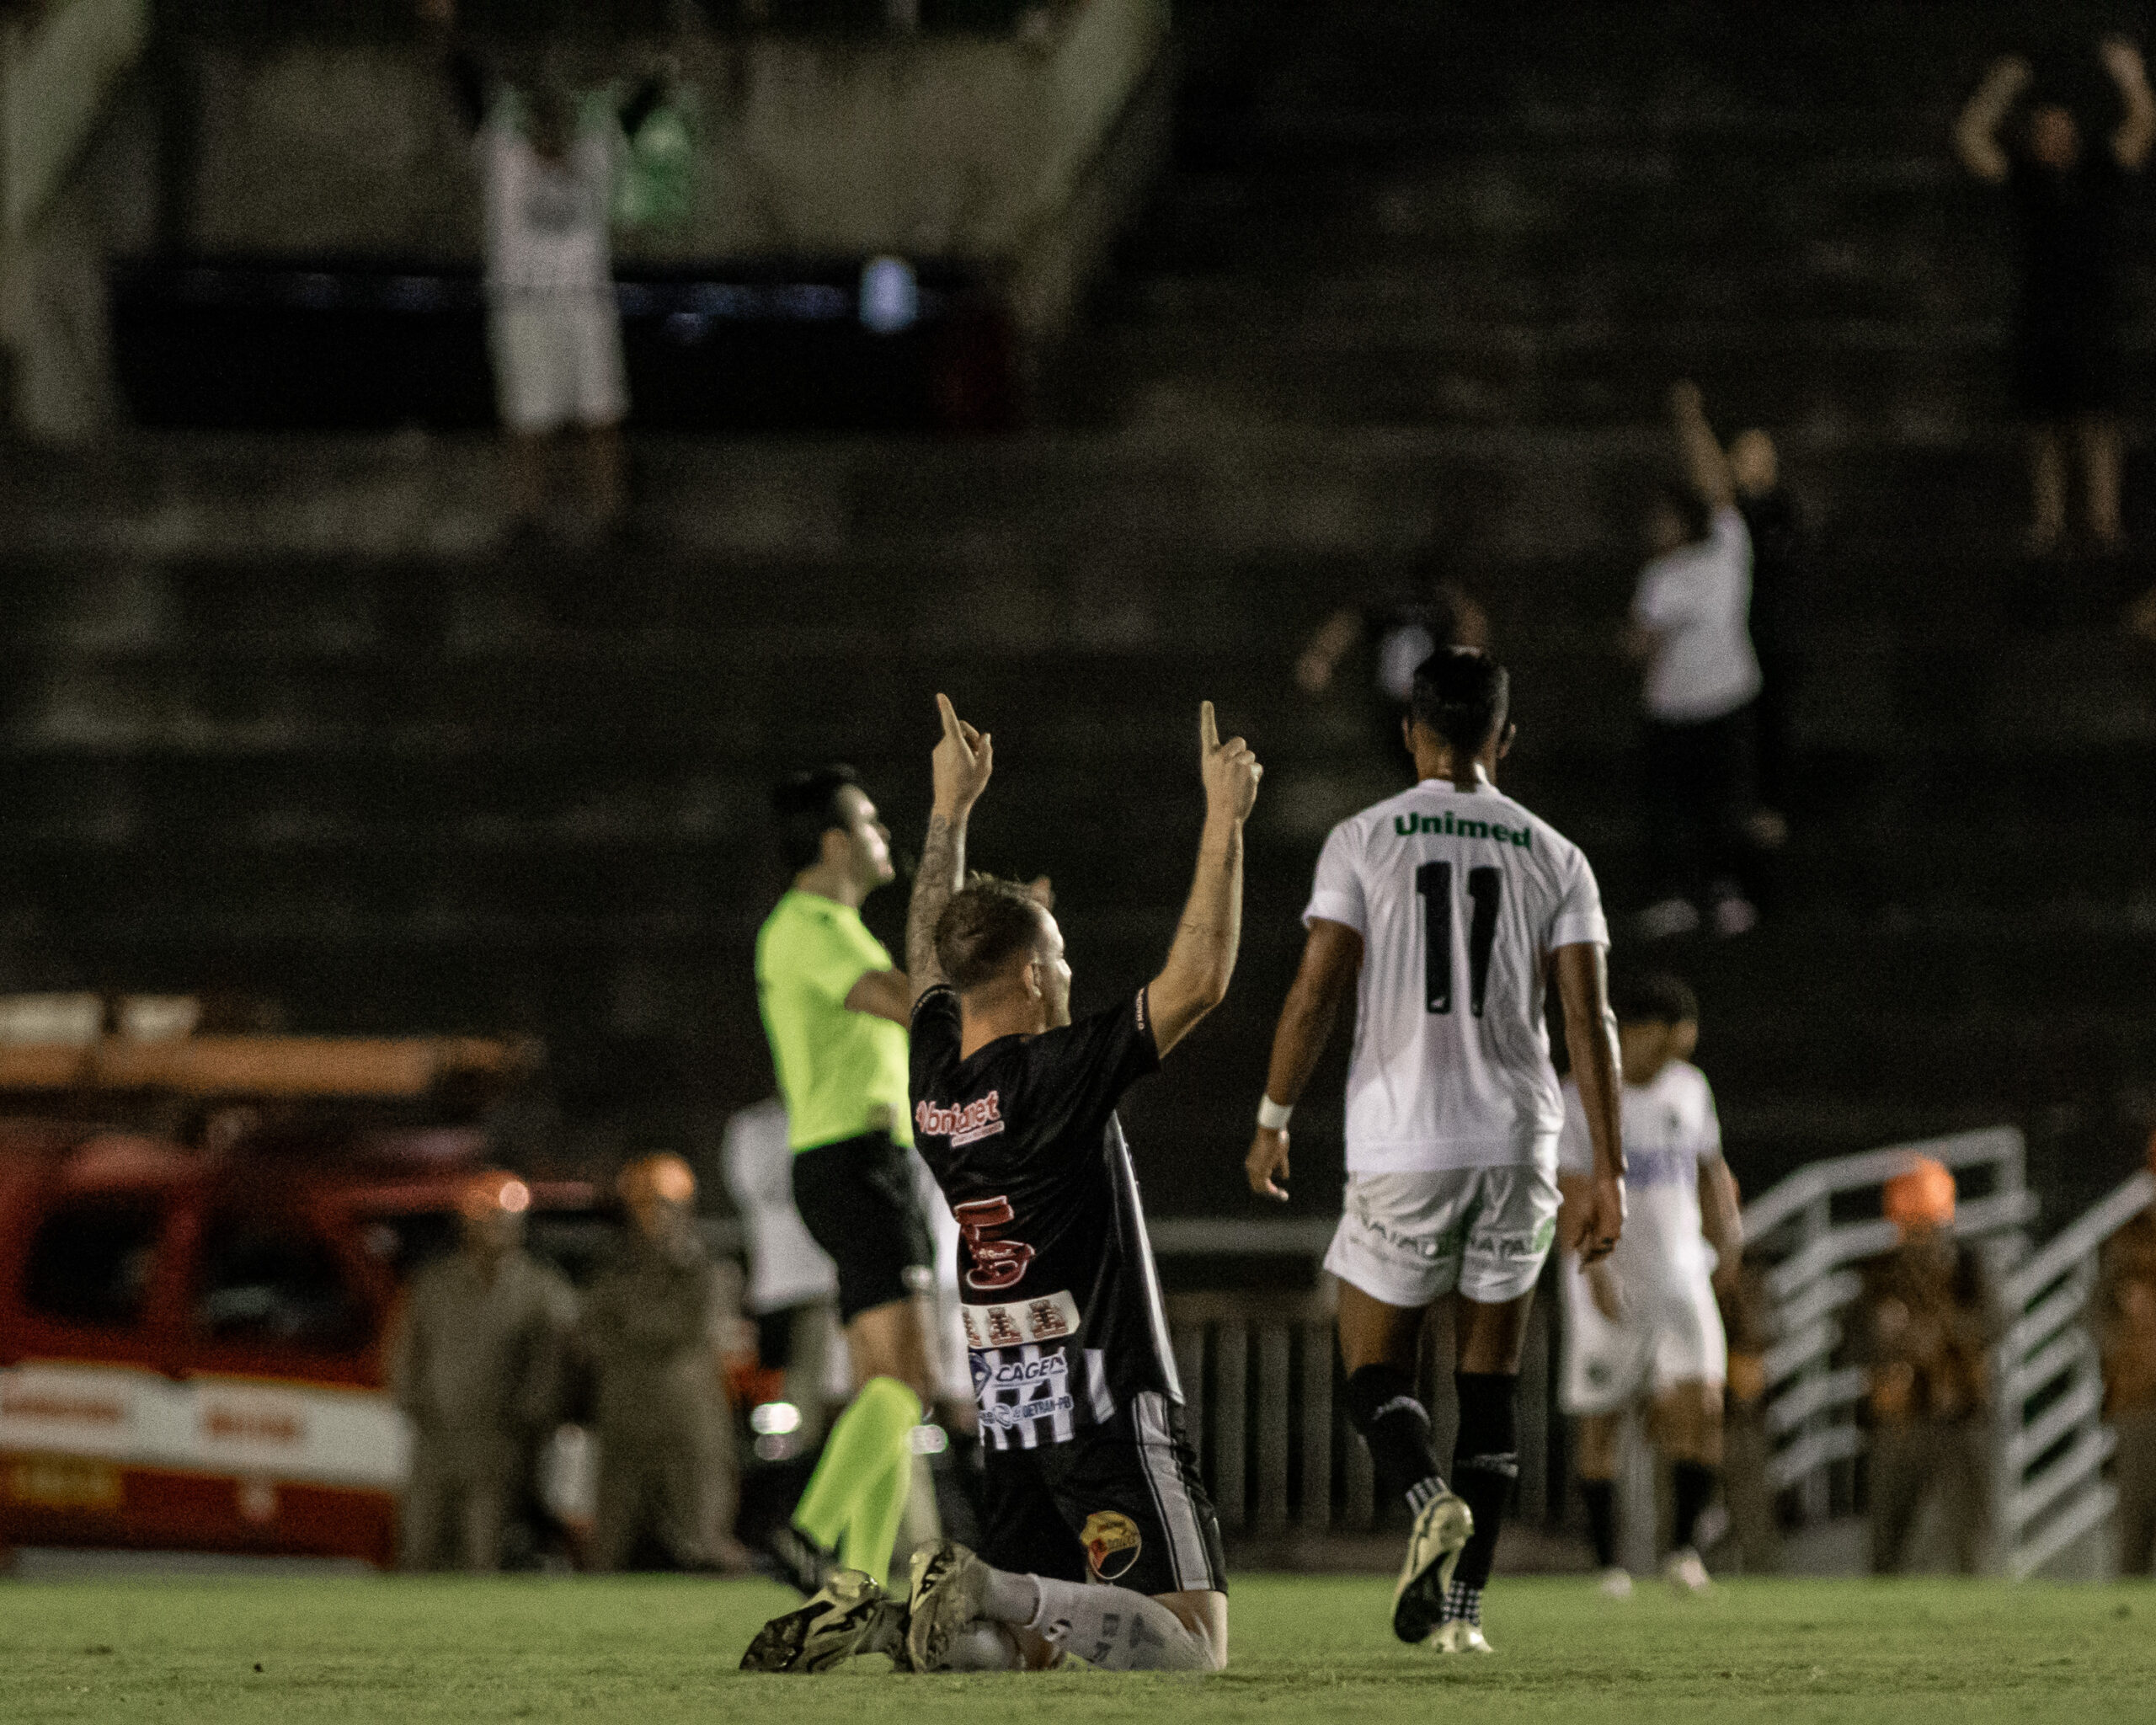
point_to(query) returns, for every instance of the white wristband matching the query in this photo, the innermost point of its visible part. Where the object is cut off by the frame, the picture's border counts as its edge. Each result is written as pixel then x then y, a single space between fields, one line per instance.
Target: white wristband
pixel 1272 1115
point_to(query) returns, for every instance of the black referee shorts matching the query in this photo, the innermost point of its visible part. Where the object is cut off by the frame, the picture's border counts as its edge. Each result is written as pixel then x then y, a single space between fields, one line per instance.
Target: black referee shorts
pixel 860 1205
pixel 1121 1503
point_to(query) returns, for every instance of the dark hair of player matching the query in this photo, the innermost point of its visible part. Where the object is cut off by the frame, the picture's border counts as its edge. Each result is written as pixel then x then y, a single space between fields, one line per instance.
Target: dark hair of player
pixel 988 922
pixel 1655 998
pixel 1683 500
pixel 807 804
pixel 1461 694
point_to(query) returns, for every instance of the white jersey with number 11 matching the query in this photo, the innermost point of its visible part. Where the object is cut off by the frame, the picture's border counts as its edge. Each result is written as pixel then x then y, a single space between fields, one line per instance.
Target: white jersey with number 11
pixel 1460 897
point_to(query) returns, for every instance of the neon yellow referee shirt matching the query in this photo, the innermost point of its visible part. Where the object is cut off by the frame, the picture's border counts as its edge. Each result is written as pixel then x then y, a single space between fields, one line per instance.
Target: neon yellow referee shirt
pixel 842 1073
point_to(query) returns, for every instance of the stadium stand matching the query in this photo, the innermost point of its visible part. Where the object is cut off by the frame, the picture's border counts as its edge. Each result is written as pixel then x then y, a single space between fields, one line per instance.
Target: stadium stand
pixel 280 711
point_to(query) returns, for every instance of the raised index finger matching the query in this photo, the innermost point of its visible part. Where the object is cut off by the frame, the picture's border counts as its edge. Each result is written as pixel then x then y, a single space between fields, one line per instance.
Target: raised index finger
pixel 950 717
pixel 1209 733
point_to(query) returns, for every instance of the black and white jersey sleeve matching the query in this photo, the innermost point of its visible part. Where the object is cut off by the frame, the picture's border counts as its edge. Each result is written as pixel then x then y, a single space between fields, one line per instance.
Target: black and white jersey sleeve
pixel 1056 1281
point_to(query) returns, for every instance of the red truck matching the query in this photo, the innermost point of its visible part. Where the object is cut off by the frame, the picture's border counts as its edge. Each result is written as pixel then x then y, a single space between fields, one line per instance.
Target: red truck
pixel 192 1334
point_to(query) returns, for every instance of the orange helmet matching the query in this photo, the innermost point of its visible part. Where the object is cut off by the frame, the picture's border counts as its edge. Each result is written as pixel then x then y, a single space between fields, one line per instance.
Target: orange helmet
pixel 1923 1195
pixel 662 1177
pixel 491 1190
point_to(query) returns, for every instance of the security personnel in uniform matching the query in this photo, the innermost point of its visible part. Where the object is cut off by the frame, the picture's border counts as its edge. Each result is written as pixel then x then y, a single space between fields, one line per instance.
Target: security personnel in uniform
pixel 1927 1323
pixel 476 1365
pixel 657 1322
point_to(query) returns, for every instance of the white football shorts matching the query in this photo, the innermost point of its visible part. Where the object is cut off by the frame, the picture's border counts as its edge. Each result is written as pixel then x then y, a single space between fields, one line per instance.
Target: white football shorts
pixel 1672 1334
pixel 1410 1238
pixel 558 359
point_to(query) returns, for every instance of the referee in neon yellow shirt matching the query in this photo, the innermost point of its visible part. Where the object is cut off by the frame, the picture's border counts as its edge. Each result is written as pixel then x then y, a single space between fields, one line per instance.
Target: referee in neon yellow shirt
pixel 835 1009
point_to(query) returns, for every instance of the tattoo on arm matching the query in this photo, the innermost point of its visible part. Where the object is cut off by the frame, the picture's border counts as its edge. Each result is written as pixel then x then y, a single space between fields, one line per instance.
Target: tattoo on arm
pixel 942 871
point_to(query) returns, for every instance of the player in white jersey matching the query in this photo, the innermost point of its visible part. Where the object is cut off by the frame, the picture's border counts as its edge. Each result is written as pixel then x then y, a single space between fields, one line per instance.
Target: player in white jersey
pixel 1447 909
pixel 1643 1321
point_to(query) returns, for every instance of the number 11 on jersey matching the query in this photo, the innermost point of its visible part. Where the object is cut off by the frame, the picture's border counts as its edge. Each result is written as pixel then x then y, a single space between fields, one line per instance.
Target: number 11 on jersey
pixel 1434 885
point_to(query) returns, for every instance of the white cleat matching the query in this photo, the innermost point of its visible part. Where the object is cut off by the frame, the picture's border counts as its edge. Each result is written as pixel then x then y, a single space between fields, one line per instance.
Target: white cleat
pixel 1456 1635
pixel 1684 1572
pixel 1614 1584
pixel 1443 1526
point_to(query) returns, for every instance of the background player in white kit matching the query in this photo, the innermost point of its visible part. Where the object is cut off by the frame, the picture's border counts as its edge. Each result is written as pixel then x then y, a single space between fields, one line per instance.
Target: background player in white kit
pixel 1643 1321
pixel 1448 908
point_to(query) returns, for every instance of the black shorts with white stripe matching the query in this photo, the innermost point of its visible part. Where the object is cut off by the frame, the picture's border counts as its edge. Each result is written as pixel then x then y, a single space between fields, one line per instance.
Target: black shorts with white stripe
pixel 1120 1501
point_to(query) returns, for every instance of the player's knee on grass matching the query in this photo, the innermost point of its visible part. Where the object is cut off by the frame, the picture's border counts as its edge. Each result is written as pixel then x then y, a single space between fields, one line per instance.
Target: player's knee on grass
pixel 1113 1629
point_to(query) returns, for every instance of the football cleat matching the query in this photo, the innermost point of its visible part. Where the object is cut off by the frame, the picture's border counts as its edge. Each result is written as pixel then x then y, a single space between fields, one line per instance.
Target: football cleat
pixel 1444 1525
pixel 1684 1572
pixel 849 1617
pixel 1456 1635
pixel 1614 1584
pixel 949 1585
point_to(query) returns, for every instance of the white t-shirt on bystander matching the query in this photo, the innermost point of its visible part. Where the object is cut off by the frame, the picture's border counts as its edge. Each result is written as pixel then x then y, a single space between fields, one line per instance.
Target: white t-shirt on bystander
pixel 548 222
pixel 786 1265
pixel 1698 601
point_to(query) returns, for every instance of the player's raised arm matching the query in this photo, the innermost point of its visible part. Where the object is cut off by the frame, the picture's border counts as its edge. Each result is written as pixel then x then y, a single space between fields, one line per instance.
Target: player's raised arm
pixel 962 760
pixel 1195 978
pixel 1333 955
pixel 1598 1069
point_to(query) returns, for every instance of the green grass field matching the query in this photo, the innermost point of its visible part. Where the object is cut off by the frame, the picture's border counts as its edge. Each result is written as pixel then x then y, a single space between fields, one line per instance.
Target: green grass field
pixel 1303 1649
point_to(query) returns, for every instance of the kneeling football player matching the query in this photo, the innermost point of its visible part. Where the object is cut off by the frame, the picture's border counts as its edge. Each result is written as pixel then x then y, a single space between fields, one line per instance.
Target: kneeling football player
pixel 1089 1477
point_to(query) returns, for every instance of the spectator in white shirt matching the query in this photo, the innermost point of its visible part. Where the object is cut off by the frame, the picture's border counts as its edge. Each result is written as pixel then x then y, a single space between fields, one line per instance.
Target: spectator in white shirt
pixel 793 1286
pixel 1689 629
pixel 553 329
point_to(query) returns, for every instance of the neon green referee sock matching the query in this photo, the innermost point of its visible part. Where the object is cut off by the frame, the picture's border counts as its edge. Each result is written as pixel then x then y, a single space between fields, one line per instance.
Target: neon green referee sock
pixel 858 1492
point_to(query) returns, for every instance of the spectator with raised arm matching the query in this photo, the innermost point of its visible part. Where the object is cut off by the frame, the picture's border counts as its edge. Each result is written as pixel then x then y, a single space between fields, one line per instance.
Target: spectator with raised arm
pixel 1690 631
pixel 2067 191
pixel 553 329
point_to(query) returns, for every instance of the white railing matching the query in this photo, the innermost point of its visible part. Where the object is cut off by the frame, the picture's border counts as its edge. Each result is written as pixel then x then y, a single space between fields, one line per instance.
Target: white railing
pixel 2051 1443
pixel 1812 1403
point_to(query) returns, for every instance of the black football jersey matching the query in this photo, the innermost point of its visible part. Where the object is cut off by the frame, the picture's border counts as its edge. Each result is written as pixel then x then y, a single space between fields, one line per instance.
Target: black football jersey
pixel 1056 1280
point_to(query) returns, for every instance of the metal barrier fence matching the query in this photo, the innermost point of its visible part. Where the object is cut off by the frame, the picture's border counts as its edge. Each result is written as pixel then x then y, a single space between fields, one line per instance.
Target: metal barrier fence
pixel 1260 1379
pixel 1812 1405
pixel 2052 1442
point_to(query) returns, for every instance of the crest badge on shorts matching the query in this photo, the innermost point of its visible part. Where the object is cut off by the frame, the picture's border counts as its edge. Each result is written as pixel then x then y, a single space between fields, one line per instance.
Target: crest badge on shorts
pixel 1113 1543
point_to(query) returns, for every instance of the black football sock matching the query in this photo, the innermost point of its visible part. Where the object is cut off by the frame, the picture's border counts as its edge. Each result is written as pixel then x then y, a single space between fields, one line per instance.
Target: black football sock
pixel 1601 1495
pixel 1383 1407
pixel 1692 1486
pixel 1484 1463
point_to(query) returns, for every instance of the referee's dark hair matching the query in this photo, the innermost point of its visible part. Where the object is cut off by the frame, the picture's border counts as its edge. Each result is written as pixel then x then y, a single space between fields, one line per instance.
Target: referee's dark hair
pixel 1462 695
pixel 807 804
pixel 988 922
pixel 1655 997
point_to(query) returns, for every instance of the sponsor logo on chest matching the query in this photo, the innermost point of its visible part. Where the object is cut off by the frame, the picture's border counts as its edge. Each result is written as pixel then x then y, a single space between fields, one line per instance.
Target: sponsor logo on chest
pixel 976 1120
pixel 1053 1318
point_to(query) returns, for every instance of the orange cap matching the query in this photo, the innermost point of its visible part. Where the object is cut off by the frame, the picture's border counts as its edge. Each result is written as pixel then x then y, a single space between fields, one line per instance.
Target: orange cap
pixel 1923 1195
pixel 491 1190
pixel 663 1177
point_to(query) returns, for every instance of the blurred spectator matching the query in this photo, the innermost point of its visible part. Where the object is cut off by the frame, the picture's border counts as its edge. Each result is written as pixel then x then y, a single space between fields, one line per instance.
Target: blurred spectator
pixel 553 327
pixel 1689 629
pixel 1780 592
pixel 660 1321
pixel 1925 1323
pixel 793 1286
pixel 1406 632
pixel 2066 329
pixel 476 1364
pixel 1748 1445
pixel 2125 1309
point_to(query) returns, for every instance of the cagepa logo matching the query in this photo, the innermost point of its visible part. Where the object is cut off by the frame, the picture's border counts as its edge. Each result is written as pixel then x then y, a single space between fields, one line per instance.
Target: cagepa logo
pixel 1019 1373
pixel 976 1120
